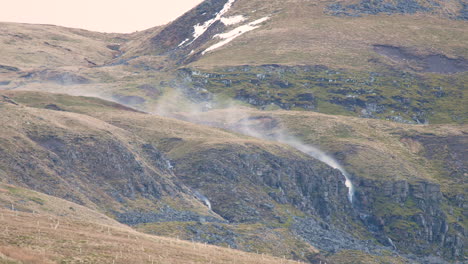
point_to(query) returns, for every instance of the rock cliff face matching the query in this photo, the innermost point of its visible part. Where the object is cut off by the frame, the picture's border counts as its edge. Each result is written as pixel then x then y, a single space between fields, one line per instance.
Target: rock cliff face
pixel 246 187
pixel 411 213
pixel 245 183
pixel 171 40
pixel 411 217
pixel 395 95
pixel 249 186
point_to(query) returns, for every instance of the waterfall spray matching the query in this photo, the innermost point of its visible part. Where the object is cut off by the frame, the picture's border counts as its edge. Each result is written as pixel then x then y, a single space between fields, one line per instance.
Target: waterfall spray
pixel 237 119
pixel 283 137
pixel 330 161
pixel 204 199
pixel 317 154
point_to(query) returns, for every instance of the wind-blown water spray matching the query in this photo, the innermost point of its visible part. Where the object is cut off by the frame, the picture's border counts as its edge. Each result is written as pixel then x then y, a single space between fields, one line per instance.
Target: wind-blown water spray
pixel 283 137
pixel 204 199
pixel 237 119
pixel 323 157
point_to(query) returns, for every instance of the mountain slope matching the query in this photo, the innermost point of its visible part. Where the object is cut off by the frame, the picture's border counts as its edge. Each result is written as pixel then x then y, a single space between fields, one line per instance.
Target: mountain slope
pixel 301 32
pixel 94 162
pixel 42 229
pixel 399 67
pixel 247 178
pixel 53 46
pixel 374 59
pixel 397 61
pixel 68 153
pixel 394 168
pixel 260 187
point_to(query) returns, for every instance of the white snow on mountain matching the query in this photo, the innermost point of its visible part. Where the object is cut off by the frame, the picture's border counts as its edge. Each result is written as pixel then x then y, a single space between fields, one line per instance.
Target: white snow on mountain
pixel 232 20
pixel 183 42
pixel 233 34
pixel 199 29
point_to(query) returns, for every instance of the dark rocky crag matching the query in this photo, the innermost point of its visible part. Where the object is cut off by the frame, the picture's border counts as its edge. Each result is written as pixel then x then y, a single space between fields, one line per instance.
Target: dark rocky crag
pixel 410 99
pixel 168 41
pixel 411 217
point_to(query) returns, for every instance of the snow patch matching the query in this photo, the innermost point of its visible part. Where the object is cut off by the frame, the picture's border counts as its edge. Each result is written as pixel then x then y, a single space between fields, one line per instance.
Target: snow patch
pixel 233 34
pixel 199 29
pixel 232 20
pixel 183 42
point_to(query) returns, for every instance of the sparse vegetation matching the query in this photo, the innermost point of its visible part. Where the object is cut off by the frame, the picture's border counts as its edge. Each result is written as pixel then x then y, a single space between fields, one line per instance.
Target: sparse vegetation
pixel 401 61
pixel 88 236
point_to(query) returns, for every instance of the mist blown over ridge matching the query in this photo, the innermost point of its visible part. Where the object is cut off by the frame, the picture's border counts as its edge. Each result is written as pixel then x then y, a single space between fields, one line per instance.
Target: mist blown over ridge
pixel 237 119
pixel 284 137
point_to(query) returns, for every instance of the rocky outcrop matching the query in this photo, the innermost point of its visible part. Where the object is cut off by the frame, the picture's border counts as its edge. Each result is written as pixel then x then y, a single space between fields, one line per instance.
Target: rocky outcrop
pixel 242 182
pixel 59 77
pixel 402 216
pixel 182 30
pixel 248 185
pixel 165 214
pixel 7 68
pixel 116 170
pixel 410 217
pixel 464 11
pixel 97 168
pixel 317 88
pixel 374 7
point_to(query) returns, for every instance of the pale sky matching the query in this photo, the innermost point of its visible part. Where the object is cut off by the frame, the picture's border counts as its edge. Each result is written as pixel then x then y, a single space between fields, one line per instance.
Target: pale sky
pixel 122 16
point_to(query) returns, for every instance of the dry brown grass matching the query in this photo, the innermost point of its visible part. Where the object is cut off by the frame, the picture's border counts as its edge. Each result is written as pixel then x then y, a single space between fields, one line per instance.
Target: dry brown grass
pixel 38 239
pixel 97 115
pixel 29 46
pixel 52 236
pixel 354 256
pixel 301 33
pixel 9 254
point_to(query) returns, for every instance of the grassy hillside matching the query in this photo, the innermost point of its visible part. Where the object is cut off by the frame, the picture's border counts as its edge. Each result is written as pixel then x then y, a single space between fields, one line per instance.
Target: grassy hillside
pixel 76 61
pixel 45 229
pixel 302 33
pixel 53 46
pixel 86 160
pixel 394 60
pixel 111 163
pixel 399 172
pixel 378 85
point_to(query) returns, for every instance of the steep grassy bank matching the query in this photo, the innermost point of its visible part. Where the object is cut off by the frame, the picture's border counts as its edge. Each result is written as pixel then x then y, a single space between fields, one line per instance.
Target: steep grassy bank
pixel 258 186
pixel 37 228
